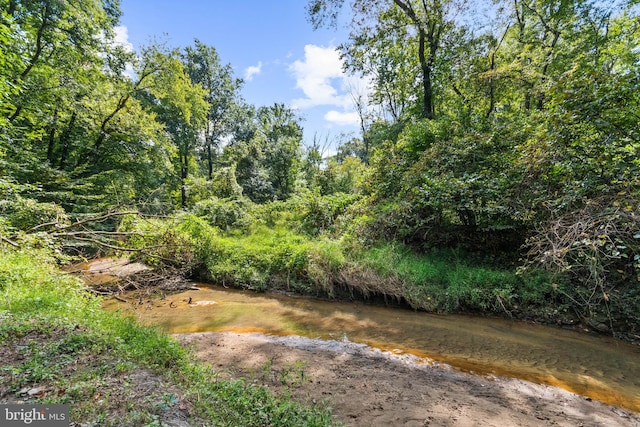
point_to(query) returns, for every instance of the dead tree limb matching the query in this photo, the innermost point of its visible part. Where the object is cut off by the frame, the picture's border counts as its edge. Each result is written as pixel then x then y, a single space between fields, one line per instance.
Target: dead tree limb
pixel 11 242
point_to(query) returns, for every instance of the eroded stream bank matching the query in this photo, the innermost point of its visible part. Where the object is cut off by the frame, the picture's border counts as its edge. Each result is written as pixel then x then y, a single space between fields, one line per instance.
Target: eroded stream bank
pixel 598 367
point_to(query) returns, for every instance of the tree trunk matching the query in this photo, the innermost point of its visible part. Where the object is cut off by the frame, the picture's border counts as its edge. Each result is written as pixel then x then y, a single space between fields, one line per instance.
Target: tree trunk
pixel 426 64
pixel 184 173
pixel 210 161
pixel 52 137
pixel 427 88
pixel 65 140
pixel 492 86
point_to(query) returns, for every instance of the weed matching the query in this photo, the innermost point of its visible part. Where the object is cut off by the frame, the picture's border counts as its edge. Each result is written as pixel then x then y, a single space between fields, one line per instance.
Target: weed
pixel 448 282
pixel 292 373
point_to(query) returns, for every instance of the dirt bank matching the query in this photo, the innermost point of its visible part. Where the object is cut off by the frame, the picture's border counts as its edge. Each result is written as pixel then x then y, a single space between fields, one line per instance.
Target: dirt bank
pixel 366 387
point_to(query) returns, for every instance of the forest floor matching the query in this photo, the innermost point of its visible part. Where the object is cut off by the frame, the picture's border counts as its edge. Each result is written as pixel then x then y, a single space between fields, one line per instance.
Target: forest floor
pixel 367 387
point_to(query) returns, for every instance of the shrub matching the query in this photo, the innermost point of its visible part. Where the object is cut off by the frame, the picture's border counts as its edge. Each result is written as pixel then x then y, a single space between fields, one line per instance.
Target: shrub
pixel 25 214
pixel 319 213
pixel 222 185
pixel 598 248
pixel 226 214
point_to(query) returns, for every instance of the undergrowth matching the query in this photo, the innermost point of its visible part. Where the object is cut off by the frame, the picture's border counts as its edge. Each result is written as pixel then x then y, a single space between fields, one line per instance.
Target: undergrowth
pixel 260 259
pixel 447 281
pixel 280 256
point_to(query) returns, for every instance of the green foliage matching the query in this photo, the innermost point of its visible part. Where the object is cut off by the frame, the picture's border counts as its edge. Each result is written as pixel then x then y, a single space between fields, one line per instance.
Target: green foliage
pixel 442 186
pixel 277 257
pixel 269 158
pixel 202 63
pixel 236 403
pixel 265 257
pixel 475 139
pixel 223 185
pixel 10 61
pixel 226 214
pixel 63 114
pixel 448 281
pixel 419 136
pixel 318 214
pixel 29 285
pixel 24 214
pixel 342 176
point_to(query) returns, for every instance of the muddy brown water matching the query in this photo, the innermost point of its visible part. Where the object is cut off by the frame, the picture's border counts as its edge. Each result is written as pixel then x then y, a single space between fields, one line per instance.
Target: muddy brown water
pixel 598 367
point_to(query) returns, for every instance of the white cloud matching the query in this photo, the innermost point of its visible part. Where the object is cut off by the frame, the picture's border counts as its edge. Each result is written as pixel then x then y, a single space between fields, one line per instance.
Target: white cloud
pixel 324 83
pixel 122 38
pixel 342 118
pixel 252 71
pixel 316 76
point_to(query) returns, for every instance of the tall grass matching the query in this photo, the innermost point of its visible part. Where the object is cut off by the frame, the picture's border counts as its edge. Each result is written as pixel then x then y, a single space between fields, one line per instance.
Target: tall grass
pixel 262 258
pixel 279 256
pixel 447 281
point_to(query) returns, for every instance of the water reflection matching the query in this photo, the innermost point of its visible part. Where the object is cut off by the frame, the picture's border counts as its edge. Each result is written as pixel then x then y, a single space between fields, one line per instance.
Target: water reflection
pixel 595 366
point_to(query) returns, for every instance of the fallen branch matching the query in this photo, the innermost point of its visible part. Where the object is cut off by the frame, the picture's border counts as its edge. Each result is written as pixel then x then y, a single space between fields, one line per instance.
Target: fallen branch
pixel 118 248
pixel 90 232
pixel 11 242
pixel 100 218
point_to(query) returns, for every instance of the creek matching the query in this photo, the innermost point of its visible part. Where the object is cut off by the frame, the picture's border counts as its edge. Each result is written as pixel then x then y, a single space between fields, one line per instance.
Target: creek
pixel 598 367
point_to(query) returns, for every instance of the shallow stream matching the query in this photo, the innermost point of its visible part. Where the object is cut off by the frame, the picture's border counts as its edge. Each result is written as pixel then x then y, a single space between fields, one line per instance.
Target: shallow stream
pixel 598 367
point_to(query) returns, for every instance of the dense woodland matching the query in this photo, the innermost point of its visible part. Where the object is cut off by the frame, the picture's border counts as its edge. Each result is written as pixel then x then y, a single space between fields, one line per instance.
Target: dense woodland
pixel 497 170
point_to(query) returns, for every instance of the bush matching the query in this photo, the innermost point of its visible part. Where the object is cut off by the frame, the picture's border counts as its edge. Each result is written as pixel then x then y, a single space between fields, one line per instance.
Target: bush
pixel 25 214
pixel 222 185
pixel 176 242
pixel 226 214
pixel 598 248
pixel 264 257
pixel 319 213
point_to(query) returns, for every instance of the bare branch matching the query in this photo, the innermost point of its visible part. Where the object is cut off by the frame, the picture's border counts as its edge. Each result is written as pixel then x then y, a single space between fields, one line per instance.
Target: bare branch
pixel 11 242
pixel 100 233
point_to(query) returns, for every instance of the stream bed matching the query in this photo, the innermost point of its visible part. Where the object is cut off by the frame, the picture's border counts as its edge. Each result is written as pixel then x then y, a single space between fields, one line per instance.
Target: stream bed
pixel 595 366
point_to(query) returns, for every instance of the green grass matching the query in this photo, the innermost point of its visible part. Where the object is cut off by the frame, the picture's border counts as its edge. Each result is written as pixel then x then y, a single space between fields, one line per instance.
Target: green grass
pixel 447 281
pixel 259 259
pixel 280 257
pixel 55 335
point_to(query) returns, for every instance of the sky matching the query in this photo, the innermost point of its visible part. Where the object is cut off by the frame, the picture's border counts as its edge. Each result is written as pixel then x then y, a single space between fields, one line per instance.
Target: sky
pixel 270 44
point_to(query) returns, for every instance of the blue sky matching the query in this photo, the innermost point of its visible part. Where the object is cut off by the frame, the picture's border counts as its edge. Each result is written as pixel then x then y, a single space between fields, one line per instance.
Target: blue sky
pixel 269 43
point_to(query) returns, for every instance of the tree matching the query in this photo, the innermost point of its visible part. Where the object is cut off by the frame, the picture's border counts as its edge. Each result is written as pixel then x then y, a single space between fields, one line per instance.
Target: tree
pixel 55 33
pixel 203 65
pixel 282 134
pixel 10 61
pixel 181 105
pixel 268 161
pixel 59 115
pixel 430 20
